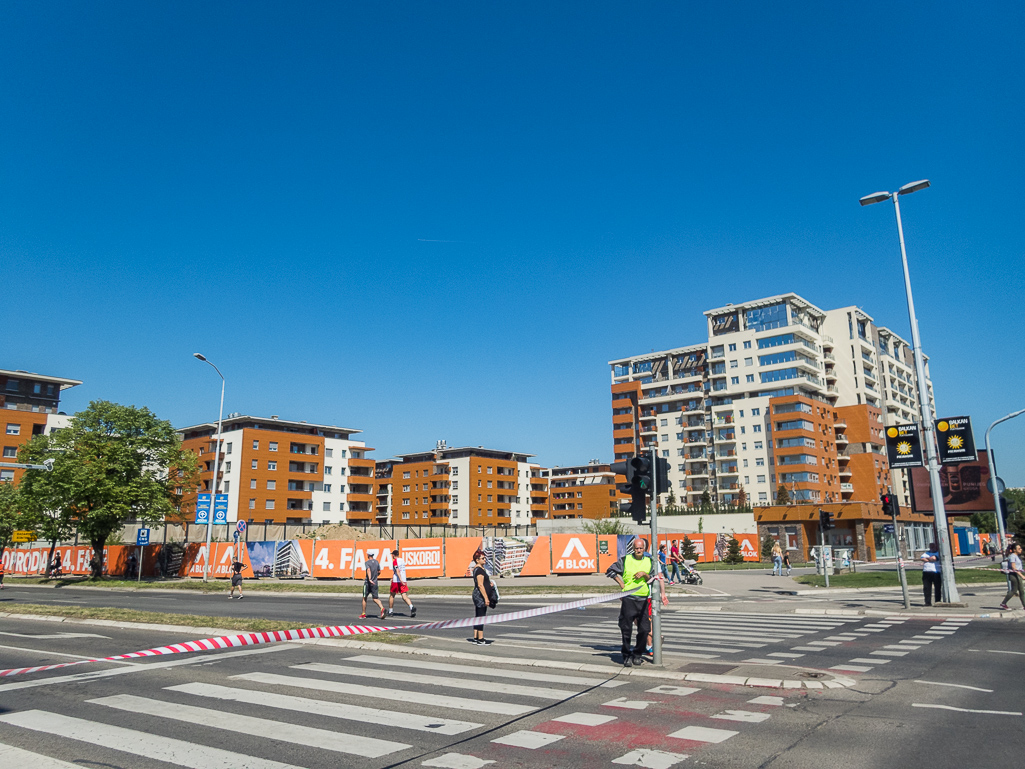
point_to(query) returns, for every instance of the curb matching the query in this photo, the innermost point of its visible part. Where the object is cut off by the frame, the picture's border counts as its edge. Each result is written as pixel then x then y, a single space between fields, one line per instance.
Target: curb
pixel 837 682
pixel 910 615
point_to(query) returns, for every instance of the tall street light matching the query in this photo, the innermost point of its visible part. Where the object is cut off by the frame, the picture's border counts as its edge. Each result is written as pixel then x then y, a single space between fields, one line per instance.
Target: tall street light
pixel 993 479
pixel 217 460
pixel 924 398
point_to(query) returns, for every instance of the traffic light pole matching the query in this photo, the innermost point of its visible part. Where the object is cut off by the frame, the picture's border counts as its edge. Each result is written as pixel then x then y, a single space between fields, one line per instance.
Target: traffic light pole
pixel 656 597
pixel 900 559
pixel 822 553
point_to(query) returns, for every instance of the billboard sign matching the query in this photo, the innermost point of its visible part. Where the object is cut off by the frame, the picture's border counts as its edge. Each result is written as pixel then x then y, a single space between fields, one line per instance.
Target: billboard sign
pixel 204 501
pixel 904 446
pixel 963 485
pixel 955 439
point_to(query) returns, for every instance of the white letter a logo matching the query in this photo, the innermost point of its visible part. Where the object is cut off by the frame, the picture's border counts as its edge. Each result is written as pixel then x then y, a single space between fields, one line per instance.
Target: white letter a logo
pixel 575 544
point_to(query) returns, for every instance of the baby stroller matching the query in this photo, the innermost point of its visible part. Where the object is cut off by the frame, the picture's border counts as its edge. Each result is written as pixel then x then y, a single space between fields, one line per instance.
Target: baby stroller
pixel 690 574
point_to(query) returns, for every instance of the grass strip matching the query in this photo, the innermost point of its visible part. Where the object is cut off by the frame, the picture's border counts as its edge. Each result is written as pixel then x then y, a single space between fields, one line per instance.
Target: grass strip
pixel 240 624
pixel 877 578
pixel 456 589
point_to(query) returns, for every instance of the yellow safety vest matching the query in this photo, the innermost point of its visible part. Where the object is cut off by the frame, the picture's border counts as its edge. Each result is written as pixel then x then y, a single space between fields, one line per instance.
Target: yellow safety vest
pixel 631 566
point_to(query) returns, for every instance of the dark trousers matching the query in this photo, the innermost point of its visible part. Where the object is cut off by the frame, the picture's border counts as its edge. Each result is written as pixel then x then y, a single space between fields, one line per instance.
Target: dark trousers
pixel 932 578
pixel 634 611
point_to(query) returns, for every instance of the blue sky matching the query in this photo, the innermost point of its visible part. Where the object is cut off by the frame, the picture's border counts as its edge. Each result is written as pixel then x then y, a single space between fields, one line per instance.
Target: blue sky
pixel 442 220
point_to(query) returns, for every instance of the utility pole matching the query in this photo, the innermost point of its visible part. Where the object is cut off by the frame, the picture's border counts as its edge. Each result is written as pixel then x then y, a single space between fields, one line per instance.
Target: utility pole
pixel 656 598
pixel 891 506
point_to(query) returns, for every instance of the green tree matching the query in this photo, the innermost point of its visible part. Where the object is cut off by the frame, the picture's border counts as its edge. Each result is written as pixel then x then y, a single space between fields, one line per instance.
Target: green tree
pixel 606 526
pixel 986 523
pixel 12 515
pixel 706 501
pixel 112 464
pixel 733 554
pixel 1016 512
pixel 782 495
pixel 688 551
pixel 767 544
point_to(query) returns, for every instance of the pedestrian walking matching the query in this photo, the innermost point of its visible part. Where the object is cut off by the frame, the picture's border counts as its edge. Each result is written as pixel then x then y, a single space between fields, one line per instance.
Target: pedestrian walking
pixel 662 561
pixel 631 572
pixel 133 563
pixel 236 579
pixel 777 560
pixel 674 563
pixel 1015 575
pixel 1 575
pixel 399 587
pixel 786 561
pixel 931 579
pixel 373 571
pixel 483 595
pixel 57 567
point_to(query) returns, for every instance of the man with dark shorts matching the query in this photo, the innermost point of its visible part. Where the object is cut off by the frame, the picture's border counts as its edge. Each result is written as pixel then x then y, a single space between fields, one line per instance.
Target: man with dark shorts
pixel 236 579
pixel 373 571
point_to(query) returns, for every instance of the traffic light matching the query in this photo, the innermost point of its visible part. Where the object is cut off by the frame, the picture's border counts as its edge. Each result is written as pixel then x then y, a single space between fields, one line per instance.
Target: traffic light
pixel 890 505
pixel 826 520
pixel 661 475
pixel 640 488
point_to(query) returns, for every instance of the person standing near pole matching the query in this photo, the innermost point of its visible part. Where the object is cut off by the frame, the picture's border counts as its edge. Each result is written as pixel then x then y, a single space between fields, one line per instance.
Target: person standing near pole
pixel 631 572
pixel 932 580
pixel 1015 576
pixel 399 586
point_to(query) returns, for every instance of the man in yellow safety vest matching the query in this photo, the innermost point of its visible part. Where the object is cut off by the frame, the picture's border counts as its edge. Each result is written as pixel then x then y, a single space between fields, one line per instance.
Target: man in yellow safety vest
pixel 632 572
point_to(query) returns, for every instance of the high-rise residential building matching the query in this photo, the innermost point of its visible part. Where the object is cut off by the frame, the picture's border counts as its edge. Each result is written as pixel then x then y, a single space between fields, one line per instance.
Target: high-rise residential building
pixel 29 405
pixel 782 394
pixel 584 491
pixel 468 486
pixel 285 471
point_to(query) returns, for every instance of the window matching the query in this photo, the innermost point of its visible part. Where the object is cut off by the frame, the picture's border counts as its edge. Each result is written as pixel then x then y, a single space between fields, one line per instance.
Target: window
pixel 760 461
pixel 665 452
pixel 227 467
pixel 10 451
pixel 761 479
pixel 227 448
pixel 405 516
pixel 256 445
pixel 268 504
pixel 750 378
pixel 756 412
pixel 741 413
pixel 664 423
pixel 734 364
pixel 665 436
pixel 683 484
pixel 733 348
pixel 405 488
pixel 272 446
pixel 272 465
pixel 455 499
pixel 327 507
pixel 327 488
pixel 787 408
pixel 742 430
pixel 327 469
pixel 455 485
pixel 254 465
pixel 272 485
pixel 749 361
pixel 6 475
pixel 679 453
pixel 13 429
pixel 405 474
pixel 758 444
pixel 329 452
pixel 745 463
pixel 763 496
pixel 490 470
pixel 252 483
pixel 756 428
pixel 747 480
pixel 478 483
pixel 13 385
pixel 252 504
pixel 489 484
pixel 455 471
pixel 766 318
pixel 405 502
pixel 747 345
pixel 735 380
pixel 489 497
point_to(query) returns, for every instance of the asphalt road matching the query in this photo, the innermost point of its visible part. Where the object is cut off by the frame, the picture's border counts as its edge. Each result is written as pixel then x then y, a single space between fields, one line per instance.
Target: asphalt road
pixel 293 705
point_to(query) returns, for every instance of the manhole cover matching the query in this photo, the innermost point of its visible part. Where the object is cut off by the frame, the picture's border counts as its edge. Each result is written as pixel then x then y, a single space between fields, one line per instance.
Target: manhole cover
pixel 810 674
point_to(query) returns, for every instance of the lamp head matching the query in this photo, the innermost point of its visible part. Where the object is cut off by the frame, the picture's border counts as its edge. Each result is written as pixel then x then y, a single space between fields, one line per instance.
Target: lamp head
pixel 907 189
pixel 198 355
pixel 875 197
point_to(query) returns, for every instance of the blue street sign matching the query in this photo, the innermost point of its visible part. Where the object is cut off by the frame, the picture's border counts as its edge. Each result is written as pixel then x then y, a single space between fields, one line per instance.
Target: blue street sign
pixel 888 528
pixel 240 526
pixel 142 537
pixel 203 503
pixel 220 508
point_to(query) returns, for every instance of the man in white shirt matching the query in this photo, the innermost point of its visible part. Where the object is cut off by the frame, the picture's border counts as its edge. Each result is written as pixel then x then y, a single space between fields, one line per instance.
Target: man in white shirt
pixel 399 586
pixel 931 573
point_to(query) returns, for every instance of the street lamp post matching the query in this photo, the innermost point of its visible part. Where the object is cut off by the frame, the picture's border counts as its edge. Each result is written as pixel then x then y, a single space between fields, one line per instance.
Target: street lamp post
pixel 993 479
pixel 217 460
pixel 924 398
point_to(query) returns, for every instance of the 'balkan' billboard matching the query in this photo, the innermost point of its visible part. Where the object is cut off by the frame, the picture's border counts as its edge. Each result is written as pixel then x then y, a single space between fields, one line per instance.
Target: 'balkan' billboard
pixel 956 441
pixel 904 446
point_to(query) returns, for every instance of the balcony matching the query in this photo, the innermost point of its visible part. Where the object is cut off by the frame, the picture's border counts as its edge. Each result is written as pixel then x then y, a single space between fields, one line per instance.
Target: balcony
pixel 728 470
pixel 841 438
pixel 845 472
pixel 840 424
pixel 847 488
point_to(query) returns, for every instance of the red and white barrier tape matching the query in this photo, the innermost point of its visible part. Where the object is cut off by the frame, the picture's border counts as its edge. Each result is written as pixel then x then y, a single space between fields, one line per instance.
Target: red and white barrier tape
pixel 334 631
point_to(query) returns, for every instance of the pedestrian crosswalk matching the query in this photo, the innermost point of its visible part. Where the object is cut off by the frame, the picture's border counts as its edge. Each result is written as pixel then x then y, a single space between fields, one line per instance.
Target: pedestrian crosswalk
pixel 697 634
pixel 376 708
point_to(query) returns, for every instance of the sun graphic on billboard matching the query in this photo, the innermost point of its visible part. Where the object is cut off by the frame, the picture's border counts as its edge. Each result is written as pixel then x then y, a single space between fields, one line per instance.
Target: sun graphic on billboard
pixel 942 426
pixel 955 442
pixel 904 448
pixel 892 432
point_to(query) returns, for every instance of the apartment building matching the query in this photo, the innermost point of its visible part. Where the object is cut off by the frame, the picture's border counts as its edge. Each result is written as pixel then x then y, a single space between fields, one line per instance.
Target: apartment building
pixel 467 486
pixel 585 491
pixel 285 471
pixel 29 405
pixel 769 400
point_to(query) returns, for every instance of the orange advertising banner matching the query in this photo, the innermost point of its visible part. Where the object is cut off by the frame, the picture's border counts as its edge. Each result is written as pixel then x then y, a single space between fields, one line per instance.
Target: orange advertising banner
pixel 223 553
pixel 333 558
pixel 459 555
pixel 539 561
pixel 381 550
pixel 423 557
pixel 574 554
